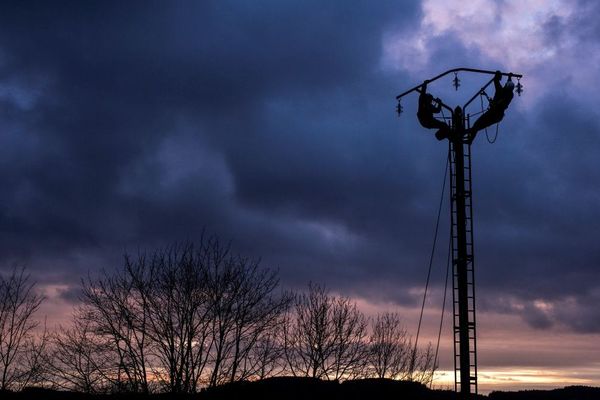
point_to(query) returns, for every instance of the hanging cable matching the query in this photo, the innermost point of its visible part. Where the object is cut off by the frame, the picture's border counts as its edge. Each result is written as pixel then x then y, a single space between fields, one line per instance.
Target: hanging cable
pixel 490 141
pixel 437 346
pixel 437 225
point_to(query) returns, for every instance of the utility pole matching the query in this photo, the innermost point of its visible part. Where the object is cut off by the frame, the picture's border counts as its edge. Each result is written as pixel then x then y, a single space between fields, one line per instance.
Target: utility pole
pixel 461 216
pixel 462 260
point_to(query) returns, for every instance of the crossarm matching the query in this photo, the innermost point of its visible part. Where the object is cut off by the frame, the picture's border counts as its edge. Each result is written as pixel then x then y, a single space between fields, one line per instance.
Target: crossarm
pixel 480 71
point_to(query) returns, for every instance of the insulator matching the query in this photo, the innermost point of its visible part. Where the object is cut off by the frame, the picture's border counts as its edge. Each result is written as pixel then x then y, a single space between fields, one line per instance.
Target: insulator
pixel 519 87
pixel 399 108
pixel 456 81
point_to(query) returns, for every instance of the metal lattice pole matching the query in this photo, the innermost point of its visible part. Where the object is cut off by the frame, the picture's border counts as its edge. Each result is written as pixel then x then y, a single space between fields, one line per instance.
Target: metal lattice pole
pixel 463 263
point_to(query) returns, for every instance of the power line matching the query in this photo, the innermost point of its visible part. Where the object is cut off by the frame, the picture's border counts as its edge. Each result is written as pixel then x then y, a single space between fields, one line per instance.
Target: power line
pixel 437 346
pixel 435 236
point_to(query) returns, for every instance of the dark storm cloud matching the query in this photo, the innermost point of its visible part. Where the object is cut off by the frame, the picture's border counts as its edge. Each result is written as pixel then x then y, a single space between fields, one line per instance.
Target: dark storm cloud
pixel 71 294
pixel 136 125
pixel 132 125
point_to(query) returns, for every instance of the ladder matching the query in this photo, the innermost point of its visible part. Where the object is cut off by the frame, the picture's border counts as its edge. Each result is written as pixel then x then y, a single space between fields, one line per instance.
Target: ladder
pixel 463 274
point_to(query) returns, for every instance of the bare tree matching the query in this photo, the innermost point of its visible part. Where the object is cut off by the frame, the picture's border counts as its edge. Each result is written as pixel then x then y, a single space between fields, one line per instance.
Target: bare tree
pixel 389 348
pixel 257 310
pixel 350 330
pixel 19 351
pixel 424 365
pixel 266 356
pixel 79 359
pixel 185 316
pixel 223 288
pixel 308 338
pixel 34 363
pixel 392 353
pixel 244 309
pixel 117 312
pixel 324 336
pixel 172 284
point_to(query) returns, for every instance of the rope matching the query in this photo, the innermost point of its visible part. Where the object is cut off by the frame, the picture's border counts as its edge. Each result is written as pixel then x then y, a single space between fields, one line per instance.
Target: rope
pixel 443 117
pixel 490 141
pixel 437 225
pixel 476 114
pixel 437 346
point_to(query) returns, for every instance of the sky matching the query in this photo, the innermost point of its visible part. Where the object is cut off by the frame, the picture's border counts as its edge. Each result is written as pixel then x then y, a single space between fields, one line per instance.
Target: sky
pixel 272 124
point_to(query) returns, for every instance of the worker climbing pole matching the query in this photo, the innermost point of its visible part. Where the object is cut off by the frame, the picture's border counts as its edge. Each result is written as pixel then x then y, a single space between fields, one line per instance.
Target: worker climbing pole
pixel 460 135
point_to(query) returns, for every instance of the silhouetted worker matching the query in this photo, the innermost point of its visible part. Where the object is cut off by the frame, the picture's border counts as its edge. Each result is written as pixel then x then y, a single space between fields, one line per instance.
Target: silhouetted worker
pixel 426 111
pixel 502 97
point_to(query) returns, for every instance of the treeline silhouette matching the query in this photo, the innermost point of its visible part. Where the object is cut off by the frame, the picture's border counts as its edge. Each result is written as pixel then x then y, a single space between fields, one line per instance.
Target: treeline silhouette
pixel 566 393
pixel 296 388
pixel 192 317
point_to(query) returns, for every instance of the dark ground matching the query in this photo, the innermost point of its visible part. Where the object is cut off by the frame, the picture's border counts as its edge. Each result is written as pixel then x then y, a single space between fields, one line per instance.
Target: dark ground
pixel 314 389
